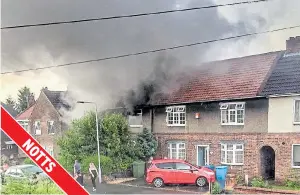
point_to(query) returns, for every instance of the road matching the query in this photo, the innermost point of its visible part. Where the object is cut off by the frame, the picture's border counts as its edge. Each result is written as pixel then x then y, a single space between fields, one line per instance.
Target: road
pixel 122 189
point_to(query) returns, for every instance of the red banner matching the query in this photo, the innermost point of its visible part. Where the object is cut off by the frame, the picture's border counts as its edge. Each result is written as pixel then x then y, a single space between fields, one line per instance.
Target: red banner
pixel 41 157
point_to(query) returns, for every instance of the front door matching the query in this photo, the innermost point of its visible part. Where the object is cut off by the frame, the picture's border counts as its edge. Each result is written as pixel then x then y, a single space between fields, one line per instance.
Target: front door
pixel 202 155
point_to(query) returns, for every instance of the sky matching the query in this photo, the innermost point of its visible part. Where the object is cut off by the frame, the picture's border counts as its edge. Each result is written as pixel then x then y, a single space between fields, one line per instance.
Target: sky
pixel 104 82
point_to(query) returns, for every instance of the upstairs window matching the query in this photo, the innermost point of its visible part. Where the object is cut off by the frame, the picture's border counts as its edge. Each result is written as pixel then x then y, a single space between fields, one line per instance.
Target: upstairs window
pixel 24 124
pixel 297 112
pixel 232 113
pixel 136 119
pixel 50 125
pixel 176 115
pixel 37 127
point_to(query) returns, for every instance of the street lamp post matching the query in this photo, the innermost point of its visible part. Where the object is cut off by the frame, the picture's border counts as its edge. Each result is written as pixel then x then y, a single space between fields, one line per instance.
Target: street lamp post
pixel 97 129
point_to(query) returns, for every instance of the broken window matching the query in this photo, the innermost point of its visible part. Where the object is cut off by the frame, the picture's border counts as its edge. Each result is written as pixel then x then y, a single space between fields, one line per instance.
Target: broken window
pixel 50 125
pixel 232 113
pixel 297 112
pixel 296 155
pixel 232 154
pixel 136 120
pixel 176 115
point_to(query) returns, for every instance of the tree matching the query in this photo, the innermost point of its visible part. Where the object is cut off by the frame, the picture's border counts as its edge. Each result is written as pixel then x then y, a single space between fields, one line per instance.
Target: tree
pixel 147 144
pixel 10 102
pixel 22 101
pixel 80 140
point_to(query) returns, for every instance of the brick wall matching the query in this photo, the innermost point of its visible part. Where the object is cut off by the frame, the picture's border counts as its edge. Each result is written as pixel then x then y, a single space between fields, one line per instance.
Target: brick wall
pixel 44 111
pixel 253 142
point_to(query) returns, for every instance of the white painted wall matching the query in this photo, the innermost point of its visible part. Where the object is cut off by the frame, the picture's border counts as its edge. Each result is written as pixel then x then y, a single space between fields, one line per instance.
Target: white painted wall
pixel 281 115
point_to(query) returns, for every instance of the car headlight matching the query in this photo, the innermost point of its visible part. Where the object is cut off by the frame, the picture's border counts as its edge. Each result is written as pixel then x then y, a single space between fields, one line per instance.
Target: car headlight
pixel 209 173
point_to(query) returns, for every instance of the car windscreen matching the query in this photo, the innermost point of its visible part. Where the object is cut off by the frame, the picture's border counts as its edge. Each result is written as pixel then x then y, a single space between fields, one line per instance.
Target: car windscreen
pixel 32 170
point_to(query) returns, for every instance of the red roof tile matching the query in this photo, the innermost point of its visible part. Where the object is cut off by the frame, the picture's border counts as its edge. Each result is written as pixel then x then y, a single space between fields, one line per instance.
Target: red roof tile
pixel 227 79
pixel 25 114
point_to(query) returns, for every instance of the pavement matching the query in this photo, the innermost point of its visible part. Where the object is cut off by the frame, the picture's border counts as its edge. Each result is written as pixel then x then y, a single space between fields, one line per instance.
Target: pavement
pixel 139 187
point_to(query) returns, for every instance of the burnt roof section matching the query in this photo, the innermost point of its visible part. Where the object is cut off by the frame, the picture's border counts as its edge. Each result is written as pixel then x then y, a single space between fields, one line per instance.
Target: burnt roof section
pixel 57 98
pixel 236 78
pixel 285 77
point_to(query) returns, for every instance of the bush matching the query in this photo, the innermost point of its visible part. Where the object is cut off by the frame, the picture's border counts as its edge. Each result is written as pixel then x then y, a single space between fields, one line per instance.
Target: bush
pixel 216 188
pixel 105 162
pixel 291 183
pixel 28 161
pixel 24 187
pixel 258 182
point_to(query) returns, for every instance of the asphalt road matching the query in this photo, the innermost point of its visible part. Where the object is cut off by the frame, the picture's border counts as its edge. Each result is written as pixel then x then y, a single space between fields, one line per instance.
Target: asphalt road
pixel 122 189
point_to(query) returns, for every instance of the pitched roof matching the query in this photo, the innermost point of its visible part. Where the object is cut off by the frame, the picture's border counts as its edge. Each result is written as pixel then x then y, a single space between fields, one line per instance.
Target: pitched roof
pixel 235 78
pixel 25 115
pixel 9 109
pixel 285 78
pixel 57 98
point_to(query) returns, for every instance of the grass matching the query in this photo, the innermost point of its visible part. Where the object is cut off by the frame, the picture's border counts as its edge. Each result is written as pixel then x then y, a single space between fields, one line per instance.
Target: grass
pixel 281 187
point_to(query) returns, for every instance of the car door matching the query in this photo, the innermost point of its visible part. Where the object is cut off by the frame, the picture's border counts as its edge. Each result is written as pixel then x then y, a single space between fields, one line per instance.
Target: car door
pixel 167 172
pixel 184 174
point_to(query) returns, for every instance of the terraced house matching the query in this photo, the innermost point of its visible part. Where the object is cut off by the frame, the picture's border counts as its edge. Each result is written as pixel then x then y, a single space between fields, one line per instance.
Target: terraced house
pixel 242 112
pixel 43 119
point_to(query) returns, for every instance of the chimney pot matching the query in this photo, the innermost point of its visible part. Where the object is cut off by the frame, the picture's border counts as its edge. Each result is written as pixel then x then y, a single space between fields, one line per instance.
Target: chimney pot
pixel 293 44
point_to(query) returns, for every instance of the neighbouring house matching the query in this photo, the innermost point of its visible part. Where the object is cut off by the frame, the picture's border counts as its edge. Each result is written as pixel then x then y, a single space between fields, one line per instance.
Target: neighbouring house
pixel 241 112
pixel 43 119
pixel 9 149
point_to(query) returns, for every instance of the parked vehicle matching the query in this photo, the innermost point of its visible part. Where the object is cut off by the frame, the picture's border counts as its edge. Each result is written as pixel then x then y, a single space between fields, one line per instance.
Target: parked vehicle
pixel 27 172
pixel 172 171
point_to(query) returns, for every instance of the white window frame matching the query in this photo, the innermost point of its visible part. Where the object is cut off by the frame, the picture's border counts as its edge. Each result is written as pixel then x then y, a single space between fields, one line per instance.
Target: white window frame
pixel 9 146
pixel 141 115
pixel 35 129
pixel 225 106
pixel 234 150
pixel 23 122
pixel 52 127
pixel 293 166
pixel 177 150
pixel 294 112
pixel 175 110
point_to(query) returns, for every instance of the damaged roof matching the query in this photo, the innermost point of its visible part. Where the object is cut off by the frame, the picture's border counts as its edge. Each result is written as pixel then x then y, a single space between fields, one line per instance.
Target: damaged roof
pixel 235 78
pixel 57 98
pixel 285 77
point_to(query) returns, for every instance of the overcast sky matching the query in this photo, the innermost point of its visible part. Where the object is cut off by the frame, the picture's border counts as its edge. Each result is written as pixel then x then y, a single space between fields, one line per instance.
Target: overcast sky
pixel 102 82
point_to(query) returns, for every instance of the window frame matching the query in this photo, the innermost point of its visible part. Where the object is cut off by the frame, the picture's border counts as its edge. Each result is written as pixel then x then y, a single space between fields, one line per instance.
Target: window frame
pixel 138 114
pixel 225 106
pixel 52 133
pixel 293 166
pixel 294 111
pixel 9 146
pixel 40 127
pixel 177 150
pixel 234 150
pixel 170 111
pixel 22 122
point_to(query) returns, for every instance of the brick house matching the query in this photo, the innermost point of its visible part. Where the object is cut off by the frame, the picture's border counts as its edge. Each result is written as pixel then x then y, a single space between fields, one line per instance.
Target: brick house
pixel 241 112
pixel 43 119
pixel 8 148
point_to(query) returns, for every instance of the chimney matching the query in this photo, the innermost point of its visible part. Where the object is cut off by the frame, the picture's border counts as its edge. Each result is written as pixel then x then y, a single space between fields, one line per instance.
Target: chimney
pixel 293 44
pixel 31 100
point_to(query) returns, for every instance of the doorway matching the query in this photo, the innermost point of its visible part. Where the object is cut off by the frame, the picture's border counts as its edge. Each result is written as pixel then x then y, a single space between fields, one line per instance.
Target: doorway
pixel 202 155
pixel 267 158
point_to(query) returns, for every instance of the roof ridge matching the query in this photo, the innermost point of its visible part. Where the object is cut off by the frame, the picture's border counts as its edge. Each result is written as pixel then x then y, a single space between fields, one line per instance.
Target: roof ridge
pixel 25 110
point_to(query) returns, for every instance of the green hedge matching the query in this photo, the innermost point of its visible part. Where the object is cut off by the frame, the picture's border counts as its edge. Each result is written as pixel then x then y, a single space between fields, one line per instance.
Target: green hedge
pixel 106 163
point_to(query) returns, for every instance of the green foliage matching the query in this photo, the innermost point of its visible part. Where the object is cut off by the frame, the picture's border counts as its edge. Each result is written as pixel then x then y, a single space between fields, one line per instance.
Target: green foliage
pixel 10 102
pixel 25 187
pixel 28 161
pixel 216 188
pixel 240 179
pixel 23 94
pixel 258 182
pixel 292 183
pixel 147 144
pixel 106 164
pixel 80 141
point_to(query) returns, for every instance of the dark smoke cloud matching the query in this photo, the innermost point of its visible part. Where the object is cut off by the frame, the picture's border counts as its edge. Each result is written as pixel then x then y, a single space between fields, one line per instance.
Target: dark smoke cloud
pixel 105 82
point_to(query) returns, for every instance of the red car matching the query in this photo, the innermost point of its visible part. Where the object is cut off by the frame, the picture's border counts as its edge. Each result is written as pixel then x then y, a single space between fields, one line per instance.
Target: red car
pixel 171 171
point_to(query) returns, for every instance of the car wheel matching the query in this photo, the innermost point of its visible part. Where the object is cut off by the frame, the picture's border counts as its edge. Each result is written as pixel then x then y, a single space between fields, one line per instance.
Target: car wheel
pixel 158 182
pixel 201 181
